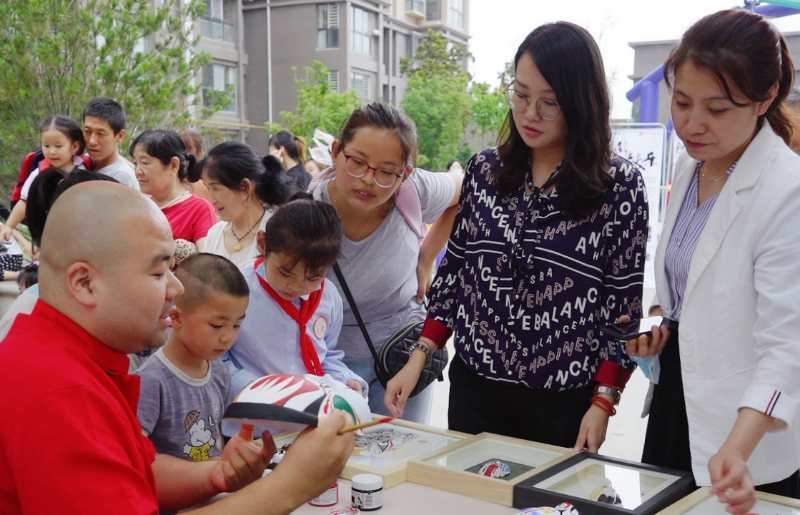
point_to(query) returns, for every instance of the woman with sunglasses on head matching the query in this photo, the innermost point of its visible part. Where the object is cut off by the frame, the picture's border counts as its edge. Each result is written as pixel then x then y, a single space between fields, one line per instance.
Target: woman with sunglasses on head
pixel 386 268
pixel 727 267
pixel 548 247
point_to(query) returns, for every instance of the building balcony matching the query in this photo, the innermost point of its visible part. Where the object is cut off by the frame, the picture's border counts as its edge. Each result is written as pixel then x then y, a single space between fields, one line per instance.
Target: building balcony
pixel 415 9
pixel 216 29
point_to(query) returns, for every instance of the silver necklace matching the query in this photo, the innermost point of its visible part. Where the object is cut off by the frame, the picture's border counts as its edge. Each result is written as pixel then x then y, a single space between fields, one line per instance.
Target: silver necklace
pixel 711 177
pixel 722 177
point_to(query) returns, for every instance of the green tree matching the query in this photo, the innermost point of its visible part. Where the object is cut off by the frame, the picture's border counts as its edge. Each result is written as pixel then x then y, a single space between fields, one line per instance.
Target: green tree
pixel 489 108
pixel 318 106
pixel 465 153
pixel 437 98
pixel 56 54
pixel 490 105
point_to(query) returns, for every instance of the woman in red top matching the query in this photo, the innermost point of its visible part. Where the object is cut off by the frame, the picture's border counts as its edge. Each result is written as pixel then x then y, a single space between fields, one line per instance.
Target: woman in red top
pixel 163 169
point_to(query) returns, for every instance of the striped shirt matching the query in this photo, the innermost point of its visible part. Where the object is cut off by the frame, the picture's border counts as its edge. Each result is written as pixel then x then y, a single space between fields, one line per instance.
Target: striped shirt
pixel 689 226
pixel 524 287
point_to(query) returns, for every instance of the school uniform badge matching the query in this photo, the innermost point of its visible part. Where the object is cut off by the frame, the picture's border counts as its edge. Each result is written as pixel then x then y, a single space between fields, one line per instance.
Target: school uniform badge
pixel 320 327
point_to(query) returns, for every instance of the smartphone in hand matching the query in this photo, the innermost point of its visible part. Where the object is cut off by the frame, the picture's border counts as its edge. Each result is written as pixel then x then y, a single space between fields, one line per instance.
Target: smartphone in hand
pixel 634 328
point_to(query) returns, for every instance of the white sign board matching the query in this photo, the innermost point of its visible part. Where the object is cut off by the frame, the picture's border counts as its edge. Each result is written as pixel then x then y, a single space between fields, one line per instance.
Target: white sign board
pixel 646 146
pixel 678 148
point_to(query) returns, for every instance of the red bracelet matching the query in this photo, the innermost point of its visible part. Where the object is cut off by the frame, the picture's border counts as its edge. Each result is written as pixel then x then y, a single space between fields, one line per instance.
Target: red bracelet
pixel 604 404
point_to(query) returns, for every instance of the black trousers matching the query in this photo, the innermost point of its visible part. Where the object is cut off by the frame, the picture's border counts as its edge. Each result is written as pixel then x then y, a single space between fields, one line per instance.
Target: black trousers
pixel 478 404
pixel 666 443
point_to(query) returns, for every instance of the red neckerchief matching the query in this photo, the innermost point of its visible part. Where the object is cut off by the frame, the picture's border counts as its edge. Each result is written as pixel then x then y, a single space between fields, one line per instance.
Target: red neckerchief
pixel 301 316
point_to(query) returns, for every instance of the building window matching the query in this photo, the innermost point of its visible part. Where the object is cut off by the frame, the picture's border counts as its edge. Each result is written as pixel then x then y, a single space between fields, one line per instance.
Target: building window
pixel 416 6
pixel 212 25
pixel 362 85
pixel 328 26
pixel 388 38
pixel 362 40
pixel 333 80
pixel 222 78
pixel 456 13
pixel 214 9
pixel 402 49
pixel 216 29
pixel 433 10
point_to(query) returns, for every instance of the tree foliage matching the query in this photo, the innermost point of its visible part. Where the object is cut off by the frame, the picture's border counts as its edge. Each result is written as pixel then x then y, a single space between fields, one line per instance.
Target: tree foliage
pixel 318 106
pixel 489 107
pixel 57 54
pixel 437 98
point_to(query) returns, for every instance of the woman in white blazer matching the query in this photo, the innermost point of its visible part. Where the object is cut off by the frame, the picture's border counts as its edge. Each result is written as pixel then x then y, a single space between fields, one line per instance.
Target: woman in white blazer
pixel 728 268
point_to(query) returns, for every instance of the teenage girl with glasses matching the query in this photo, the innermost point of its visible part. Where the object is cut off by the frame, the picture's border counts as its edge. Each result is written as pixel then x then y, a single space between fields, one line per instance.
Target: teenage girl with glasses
pixel 386 267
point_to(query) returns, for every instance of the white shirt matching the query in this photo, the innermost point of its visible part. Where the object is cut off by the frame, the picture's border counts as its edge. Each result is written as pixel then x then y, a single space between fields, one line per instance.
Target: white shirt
pixel 26 187
pixel 214 243
pixel 122 170
pixel 740 320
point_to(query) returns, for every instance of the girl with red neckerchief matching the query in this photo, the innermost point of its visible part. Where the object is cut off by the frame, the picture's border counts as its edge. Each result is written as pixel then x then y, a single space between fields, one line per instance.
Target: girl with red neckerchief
pixel 295 314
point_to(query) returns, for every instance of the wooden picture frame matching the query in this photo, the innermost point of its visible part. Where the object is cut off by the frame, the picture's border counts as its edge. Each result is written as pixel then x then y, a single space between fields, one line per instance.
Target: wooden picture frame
pixel 694 504
pixel 429 440
pixel 394 469
pixel 457 468
pixel 584 479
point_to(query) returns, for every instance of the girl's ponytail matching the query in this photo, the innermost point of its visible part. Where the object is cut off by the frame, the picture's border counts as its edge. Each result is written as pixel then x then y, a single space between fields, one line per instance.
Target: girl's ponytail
pixel 300 143
pixel 271 186
pixel 193 172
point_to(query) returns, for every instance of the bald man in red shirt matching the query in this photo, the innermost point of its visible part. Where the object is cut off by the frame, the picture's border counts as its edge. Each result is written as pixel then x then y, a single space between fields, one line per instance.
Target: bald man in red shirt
pixel 70 441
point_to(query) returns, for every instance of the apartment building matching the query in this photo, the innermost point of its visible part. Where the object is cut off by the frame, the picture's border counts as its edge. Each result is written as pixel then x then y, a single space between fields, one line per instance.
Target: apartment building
pixel 260 47
pixel 361 42
pixel 221 36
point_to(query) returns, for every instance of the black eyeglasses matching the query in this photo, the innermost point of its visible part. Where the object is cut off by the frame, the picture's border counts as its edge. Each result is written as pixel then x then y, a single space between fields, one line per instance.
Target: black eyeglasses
pixel 358 168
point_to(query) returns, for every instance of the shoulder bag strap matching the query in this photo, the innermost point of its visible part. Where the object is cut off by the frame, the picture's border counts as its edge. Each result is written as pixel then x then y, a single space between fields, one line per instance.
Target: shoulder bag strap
pixel 349 296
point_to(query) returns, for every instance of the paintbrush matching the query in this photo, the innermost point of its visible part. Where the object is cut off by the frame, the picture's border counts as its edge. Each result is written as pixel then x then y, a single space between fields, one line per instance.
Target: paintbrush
pixel 363 425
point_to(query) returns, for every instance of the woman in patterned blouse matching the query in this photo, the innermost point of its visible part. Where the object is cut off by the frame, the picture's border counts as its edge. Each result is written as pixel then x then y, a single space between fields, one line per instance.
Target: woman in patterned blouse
pixel 548 246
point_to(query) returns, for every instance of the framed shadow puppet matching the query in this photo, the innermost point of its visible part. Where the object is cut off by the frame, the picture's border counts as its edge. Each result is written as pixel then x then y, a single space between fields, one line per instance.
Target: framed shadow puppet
pixel 604 486
pixel 486 466
pixel 386 449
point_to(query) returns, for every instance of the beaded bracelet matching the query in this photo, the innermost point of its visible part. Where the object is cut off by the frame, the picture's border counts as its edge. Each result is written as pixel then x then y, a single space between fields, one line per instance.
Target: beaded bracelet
pixel 604 404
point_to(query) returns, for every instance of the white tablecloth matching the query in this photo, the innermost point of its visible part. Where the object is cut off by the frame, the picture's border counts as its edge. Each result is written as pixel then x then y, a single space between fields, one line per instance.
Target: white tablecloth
pixel 414 499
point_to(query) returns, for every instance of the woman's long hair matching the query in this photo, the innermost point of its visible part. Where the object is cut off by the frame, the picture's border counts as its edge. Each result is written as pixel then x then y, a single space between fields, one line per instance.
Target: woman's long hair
pixel 569 59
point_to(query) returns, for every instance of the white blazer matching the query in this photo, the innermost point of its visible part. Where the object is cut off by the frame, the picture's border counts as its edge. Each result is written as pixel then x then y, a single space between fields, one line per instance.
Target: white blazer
pixel 740 321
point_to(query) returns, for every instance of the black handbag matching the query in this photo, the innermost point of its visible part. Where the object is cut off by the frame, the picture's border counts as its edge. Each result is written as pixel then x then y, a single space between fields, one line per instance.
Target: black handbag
pixel 398 348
